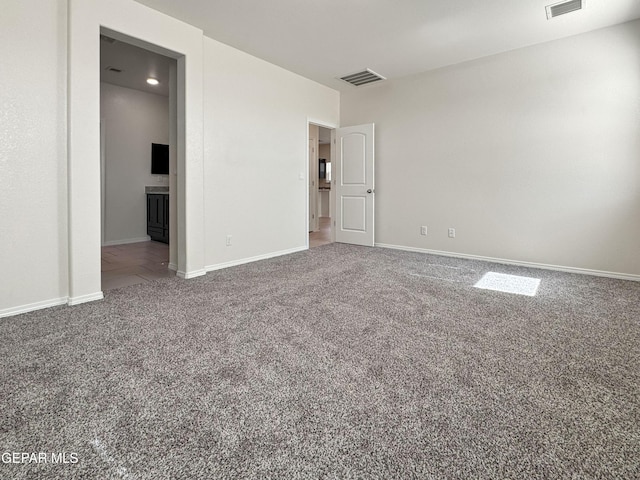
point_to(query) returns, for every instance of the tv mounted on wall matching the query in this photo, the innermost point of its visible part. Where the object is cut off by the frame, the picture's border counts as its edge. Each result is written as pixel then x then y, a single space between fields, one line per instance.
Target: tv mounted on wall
pixel 159 159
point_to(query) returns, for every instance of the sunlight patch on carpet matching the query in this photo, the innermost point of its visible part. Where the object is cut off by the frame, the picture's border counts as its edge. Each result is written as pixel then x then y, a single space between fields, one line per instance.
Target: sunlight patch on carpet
pixel 502 282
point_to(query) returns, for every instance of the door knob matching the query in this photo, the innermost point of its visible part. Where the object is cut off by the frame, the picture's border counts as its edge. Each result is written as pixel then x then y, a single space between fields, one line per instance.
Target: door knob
pixel 369 191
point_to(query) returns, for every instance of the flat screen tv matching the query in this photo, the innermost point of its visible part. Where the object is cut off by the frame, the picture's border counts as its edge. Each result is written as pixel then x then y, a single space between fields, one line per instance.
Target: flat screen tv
pixel 159 159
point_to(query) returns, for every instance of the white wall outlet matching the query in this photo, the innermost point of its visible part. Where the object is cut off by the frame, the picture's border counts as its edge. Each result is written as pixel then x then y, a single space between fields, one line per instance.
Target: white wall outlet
pixel 452 233
pixel 423 230
pixel 228 240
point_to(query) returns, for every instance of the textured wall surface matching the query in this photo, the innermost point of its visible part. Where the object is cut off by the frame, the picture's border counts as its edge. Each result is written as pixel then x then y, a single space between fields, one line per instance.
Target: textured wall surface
pixel 255 151
pixel 33 185
pixel 532 155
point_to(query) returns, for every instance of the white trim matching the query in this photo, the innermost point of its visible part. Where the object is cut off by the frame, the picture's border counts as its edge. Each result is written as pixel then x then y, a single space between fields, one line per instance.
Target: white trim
pixel 173 266
pixel 126 241
pixel 242 261
pixel 30 307
pixel 192 274
pixel 559 268
pixel 321 123
pixel 85 298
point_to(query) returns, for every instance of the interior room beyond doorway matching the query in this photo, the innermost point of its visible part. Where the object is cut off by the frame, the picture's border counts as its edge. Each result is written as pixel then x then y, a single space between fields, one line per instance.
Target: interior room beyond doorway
pixel 320 186
pixel 135 163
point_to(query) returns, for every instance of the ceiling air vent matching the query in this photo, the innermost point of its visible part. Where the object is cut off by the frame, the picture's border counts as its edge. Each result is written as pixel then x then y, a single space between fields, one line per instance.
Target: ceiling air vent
pixel 564 7
pixel 362 78
pixel 113 69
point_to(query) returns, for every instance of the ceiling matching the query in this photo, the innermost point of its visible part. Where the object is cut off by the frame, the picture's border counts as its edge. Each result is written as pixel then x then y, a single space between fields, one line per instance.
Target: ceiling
pixel 136 65
pixel 326 39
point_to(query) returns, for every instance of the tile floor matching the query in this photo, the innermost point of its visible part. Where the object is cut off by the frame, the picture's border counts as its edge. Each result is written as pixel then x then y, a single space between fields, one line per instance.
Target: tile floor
pixel 323 236
pixel 124 265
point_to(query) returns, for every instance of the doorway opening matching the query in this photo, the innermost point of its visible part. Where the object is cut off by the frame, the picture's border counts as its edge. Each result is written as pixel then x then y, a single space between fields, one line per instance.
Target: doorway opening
pixel 320 178
pixel 136 167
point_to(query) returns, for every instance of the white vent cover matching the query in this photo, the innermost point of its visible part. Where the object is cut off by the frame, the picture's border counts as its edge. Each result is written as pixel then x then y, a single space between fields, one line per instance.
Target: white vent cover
pixel 564 7
pixel 362 78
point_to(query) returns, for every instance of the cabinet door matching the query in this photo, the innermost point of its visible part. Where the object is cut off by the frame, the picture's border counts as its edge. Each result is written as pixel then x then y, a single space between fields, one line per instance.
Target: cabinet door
pixel 155 211
pixel 158 217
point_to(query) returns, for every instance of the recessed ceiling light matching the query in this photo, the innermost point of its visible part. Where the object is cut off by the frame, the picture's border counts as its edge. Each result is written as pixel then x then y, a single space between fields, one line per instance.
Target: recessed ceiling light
pixel 152 81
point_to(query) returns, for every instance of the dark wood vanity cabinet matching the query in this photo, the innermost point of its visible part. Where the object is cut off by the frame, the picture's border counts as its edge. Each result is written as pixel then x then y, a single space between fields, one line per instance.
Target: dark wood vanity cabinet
pixel 158 217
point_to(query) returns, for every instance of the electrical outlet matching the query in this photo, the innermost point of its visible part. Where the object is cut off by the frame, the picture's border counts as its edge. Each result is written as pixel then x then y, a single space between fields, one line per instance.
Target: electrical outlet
pixel 228 240
pixel 452 233
pixel 423 230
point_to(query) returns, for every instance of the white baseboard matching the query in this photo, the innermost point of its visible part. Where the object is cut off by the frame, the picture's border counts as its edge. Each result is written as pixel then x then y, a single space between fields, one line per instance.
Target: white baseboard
pixel 111 243
pixel 559 268
pixel 30 307
pixel 85 298
pixel 242 261
pixel 173 266
pixel 191 274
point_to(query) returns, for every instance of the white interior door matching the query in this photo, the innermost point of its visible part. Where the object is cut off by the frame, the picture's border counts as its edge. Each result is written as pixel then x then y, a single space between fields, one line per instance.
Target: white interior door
pixel 354 185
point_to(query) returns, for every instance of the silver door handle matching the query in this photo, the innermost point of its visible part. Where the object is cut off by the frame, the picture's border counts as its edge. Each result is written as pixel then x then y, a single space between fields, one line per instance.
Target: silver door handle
pixel 369 191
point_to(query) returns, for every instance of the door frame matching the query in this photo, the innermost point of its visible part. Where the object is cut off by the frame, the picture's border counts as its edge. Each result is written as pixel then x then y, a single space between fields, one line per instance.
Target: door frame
pixel 331 126
pixel 313 196
pixel 145 27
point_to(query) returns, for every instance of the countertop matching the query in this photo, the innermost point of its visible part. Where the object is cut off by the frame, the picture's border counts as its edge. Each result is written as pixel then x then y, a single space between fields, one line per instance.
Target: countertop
pixel 161 189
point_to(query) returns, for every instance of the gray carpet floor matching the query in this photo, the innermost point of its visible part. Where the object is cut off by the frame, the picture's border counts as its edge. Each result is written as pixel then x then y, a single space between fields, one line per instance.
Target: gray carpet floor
pixel 339 362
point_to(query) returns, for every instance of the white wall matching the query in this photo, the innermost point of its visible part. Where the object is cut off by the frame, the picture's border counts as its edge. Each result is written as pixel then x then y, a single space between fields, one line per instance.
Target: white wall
pixel 256 146
pixel 133 120
pixel 532 155
pixel 33 187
